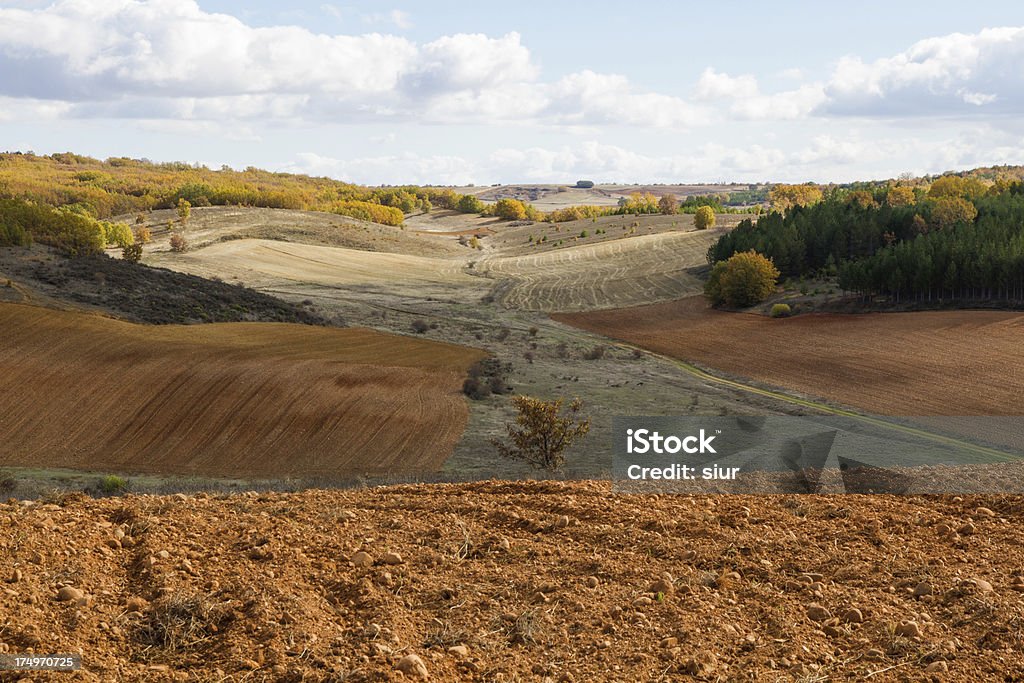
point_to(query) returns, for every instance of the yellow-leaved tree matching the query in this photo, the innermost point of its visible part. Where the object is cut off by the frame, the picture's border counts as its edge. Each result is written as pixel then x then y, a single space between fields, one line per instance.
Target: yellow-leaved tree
pixel 785 197
pixel 744 279
pixel 704 218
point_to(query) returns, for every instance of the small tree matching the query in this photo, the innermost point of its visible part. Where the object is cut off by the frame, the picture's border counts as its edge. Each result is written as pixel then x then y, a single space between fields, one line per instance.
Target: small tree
pixel 747 278
pixel 184 209
pixel 132 252
pixel 704 218
pixel 668 204
pixel 543 431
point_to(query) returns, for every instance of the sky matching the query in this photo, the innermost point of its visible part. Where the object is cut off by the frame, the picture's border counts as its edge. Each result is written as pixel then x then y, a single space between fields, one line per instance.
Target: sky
pixel 527 92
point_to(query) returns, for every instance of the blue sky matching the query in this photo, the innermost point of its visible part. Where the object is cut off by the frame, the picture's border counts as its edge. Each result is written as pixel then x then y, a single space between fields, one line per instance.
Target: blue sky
pixel 446 92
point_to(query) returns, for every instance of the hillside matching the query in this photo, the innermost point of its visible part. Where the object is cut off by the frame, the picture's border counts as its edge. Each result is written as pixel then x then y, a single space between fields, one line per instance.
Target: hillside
pixel 225 399
pixel 517 581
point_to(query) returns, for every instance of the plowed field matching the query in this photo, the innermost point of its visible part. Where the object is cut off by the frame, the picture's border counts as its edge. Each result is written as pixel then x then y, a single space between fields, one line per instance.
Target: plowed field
pixel 517 581
pixel 235 399
pixel 923 363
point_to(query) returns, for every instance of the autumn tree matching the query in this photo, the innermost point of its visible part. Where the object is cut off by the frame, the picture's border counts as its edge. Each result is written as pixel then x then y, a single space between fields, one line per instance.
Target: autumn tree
pixel 467 203
pixel 955 186
pixel 184 209
pixel 668 204
pixel 745 279
pixel 862 199
pixel 510 209
pixel 543 431
pixel 949 211
pixel 704 218
pixel 900 195
pixel 785 197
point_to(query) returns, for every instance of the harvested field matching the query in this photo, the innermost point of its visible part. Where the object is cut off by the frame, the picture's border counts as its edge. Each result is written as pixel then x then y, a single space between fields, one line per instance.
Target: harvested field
pixel 923 363
pixel 619 272
pixel 211 224
pixel 261 262
pixel 255 399
pixel 517 581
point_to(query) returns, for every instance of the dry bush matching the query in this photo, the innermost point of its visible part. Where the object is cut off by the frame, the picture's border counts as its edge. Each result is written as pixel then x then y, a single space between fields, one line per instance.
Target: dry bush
pixel 180 622
pixel 178 243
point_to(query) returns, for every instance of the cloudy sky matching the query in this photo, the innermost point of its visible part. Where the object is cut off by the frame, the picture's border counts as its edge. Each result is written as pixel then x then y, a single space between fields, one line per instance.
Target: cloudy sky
pixel 454 92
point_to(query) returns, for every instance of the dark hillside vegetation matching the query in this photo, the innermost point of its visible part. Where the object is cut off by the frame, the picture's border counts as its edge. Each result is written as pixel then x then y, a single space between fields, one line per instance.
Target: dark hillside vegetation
pixel 960 240
pixel 140 293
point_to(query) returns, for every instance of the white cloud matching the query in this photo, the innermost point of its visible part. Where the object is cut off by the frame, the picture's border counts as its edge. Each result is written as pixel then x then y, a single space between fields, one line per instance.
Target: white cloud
pixel 782 106
pixel 955 74
pixel 586 98
pixel 713 85
pixel 137 59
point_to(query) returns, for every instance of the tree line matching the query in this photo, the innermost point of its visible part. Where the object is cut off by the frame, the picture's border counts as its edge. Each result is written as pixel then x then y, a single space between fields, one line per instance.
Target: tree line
pixel 123 186
pixel 958 238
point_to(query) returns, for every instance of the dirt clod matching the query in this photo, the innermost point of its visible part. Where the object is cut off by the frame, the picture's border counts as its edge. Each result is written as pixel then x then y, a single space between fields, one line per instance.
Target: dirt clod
pixel 412 665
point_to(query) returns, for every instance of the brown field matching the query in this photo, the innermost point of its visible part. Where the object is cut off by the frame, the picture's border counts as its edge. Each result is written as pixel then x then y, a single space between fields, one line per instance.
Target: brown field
pixel 922 363
pixel 528 581
pixel 237 399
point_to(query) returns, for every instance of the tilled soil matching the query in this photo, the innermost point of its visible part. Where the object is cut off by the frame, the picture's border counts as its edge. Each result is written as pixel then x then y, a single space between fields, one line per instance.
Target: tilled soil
pixel 516 581
pixel 233 400
pixel 925 363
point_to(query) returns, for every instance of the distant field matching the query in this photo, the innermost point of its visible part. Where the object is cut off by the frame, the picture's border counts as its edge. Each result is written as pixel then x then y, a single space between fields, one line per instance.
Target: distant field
pixel 922 363
pixel 255 399
pixel 618 272
pixel 547 197
pixel 257 262
pixel 211 224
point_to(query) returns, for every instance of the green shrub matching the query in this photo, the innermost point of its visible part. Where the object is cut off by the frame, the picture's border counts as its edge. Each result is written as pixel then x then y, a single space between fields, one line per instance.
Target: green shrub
pixel 12 235
pixel 781 311
pixel 467 203
pixel 132 252
pixel 111 485
pixel 117 234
